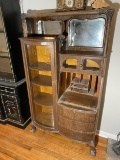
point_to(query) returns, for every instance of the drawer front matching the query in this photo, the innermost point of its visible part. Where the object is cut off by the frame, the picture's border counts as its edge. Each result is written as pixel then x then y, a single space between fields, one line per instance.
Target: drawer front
pixel 75 125
pixel 3 43
pixel 85 137
pixel 11 107
pixel 77 115
pixel 4 89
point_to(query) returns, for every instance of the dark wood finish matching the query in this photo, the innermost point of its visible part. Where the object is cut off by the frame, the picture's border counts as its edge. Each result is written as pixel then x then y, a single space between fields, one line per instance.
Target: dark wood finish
pixel 43 93
pixel 73 98
pixel 41 66
pixel 78 74
pixel 14 101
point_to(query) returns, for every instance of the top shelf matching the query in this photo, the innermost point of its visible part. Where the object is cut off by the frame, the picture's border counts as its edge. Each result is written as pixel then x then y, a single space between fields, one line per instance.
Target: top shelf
pixel 54 12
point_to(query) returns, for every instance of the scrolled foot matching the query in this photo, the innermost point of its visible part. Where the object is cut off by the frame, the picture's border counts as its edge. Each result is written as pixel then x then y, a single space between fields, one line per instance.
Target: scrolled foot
pixel 92 152
pixel 32 130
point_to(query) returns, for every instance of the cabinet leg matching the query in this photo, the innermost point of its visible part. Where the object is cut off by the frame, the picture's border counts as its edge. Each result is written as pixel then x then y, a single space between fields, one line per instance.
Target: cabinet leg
pixel 33 129
pixel 92 148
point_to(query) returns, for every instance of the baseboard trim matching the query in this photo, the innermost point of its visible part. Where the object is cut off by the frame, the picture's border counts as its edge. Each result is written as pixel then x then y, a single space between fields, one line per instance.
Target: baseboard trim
pixel 106 135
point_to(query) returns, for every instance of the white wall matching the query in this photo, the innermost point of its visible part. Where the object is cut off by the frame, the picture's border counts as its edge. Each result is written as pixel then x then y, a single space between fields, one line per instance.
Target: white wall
pixel 38 4
pixel 110 122
pixel 110 115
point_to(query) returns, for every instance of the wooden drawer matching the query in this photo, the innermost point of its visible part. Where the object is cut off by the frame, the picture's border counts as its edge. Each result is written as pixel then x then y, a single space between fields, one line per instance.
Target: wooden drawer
pixel 76 135
pixel 78 115
pixel 75 125
pixel 4 89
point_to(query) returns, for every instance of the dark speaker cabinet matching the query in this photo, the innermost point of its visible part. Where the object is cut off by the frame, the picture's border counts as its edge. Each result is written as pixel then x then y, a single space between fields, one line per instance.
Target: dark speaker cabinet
pixel 11 68
pixel 14 105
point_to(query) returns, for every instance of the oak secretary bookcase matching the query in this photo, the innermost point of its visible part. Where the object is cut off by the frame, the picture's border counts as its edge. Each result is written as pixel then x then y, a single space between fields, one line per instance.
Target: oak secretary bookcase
pixel 65 56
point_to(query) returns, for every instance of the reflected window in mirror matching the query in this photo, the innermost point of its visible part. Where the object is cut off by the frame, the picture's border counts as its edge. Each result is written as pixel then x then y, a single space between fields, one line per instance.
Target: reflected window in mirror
pixel 88 32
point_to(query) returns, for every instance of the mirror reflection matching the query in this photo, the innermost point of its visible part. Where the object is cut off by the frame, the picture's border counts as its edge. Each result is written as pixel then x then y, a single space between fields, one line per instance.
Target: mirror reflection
pixel 43 27
pixel 86 32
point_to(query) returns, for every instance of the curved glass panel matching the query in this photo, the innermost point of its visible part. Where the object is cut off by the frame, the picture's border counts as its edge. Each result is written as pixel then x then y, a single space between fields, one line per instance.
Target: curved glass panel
pixel 86 32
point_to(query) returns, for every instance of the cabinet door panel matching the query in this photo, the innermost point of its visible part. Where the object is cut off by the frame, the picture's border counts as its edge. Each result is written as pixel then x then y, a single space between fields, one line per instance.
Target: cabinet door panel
pixel 11 107
pixel 40 66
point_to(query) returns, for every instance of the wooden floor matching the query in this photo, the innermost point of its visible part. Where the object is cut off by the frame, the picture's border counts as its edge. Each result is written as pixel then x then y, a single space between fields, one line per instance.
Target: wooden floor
pixel 19 144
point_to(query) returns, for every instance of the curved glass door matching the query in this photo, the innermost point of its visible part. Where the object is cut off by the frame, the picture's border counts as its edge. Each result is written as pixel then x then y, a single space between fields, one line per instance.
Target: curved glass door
pixel 39 65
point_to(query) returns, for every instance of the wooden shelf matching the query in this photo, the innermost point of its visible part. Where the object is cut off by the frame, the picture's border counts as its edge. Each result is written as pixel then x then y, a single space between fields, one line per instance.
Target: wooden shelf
pixel 41 66
pixel 42 80
pixel 45 119
pixel 79 100
pixel 44 99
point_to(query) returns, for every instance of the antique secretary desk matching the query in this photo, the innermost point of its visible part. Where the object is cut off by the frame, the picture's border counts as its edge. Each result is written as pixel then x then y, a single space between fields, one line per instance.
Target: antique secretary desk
pixel 65 55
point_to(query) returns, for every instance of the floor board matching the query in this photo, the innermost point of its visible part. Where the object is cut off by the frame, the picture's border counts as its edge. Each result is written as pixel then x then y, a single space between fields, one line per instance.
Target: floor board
pixel 20 144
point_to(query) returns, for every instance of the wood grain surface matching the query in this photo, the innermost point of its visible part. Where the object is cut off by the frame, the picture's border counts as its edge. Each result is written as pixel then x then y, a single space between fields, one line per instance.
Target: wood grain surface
pixel 19 144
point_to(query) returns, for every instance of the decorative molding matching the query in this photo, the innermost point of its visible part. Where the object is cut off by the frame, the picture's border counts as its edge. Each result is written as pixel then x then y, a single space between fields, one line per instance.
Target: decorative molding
pixel 108 11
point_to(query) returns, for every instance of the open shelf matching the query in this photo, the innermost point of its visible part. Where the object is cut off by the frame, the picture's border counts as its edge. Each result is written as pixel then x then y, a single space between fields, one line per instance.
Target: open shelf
pixel 79 100
pixel 42 80
pixel 45 119
pixel 41 66
pixel 44 99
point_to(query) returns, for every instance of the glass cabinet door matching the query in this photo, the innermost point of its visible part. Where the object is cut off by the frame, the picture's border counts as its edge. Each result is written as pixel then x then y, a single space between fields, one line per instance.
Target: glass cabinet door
pixel 39 59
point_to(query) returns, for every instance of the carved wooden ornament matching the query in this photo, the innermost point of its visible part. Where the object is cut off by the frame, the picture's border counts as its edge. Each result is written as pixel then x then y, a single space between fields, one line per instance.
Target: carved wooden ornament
pixel 99 4
pixel 70 4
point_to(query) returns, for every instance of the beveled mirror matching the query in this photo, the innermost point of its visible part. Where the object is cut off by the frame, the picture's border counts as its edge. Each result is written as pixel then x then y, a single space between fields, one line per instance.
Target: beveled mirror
pixel 87 32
